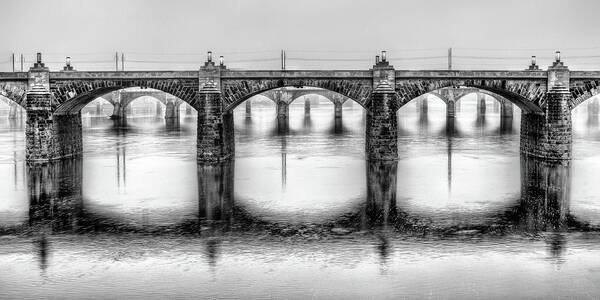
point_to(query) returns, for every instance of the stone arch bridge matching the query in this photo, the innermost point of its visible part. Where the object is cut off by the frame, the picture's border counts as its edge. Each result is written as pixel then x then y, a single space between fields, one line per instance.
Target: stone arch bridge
pixel 121 101
pixel 53 101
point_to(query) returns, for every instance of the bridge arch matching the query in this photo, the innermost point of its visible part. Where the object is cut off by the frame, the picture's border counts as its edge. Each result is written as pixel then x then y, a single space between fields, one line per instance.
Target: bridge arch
pixel 528 95
pixel 71 96
pixel 235 92
pixel 583 90
pixel 15 92
pixel 101 101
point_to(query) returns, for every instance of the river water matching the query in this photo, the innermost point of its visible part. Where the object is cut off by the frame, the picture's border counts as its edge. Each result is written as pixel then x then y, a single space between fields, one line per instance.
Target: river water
pixel 300 214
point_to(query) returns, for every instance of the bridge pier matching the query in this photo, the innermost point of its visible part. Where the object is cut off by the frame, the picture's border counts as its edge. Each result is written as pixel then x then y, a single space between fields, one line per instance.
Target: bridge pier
pixel 50 137
pixel 382 125
pixel 118 112
pixel 450 109
pixel 506 125
pixel 423 106
pixel 480 104
pixel 215 128
pixel 338 126
pixel 98 109
pixel 283 111
pixel 306 106
pixel 549 135
pixel 172 110
pixel 248 107
pixel 337 106
pixel 506 109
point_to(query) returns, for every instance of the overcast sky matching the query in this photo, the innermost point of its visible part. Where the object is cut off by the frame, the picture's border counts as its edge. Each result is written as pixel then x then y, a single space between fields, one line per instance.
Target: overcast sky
pixel 77 27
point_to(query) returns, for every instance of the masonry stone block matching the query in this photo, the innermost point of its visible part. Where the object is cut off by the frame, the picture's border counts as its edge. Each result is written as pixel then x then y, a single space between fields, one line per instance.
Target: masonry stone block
pixel 337 106
pixel 382 125
pixel 215 128
pixel 549 135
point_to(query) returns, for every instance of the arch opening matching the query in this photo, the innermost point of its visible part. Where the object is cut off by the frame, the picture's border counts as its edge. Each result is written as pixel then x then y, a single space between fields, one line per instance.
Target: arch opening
pixel 527 106
pixel 232 104
pixel 99 107
pixel 74 104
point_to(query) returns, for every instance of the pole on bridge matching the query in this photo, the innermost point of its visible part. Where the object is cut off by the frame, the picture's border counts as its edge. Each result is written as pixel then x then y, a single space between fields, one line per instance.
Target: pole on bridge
pixel 116 61
pixel 283 59
pixel 122 61
pixel 450 58
pixel 13 62
pixel 22 62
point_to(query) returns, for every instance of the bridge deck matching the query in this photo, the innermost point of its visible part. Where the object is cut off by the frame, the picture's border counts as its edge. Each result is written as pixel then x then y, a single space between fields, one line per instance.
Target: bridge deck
pixel 263 74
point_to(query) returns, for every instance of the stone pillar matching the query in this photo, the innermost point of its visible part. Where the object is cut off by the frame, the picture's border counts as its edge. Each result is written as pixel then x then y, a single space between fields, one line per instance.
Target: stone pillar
pixel 450 109
pixel 215 128
pixel 48 136
pixel 39 134
pixel 98 108
pixel 382 125
pixel 506 125
pixel 506 109
pixel 424 105
pixel 337 109
pixel 338 126
pixel 480 104
pixel 248 107
pixel 172 110
pixel 549 135
pixel 306 106
pixel 118 111
pixel 283 110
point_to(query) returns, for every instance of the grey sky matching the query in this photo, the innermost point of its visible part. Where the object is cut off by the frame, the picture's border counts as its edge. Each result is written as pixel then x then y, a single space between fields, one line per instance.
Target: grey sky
pixel 71 27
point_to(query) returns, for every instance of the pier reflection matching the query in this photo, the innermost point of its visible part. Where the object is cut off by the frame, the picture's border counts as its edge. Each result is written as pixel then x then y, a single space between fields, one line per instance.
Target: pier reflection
pixel 57 205
pixel 55 196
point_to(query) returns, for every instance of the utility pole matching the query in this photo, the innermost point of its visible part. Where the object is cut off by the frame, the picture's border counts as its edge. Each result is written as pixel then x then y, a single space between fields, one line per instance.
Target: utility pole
pixel 116 61
pixel 450 58
pixel 13 62
pixel 22 61
pixel 283 59
pixel 122 61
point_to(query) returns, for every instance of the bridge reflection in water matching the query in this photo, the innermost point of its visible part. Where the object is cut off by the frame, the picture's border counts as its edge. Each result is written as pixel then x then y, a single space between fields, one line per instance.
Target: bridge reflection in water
pixel 405 215
pixel 57 206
